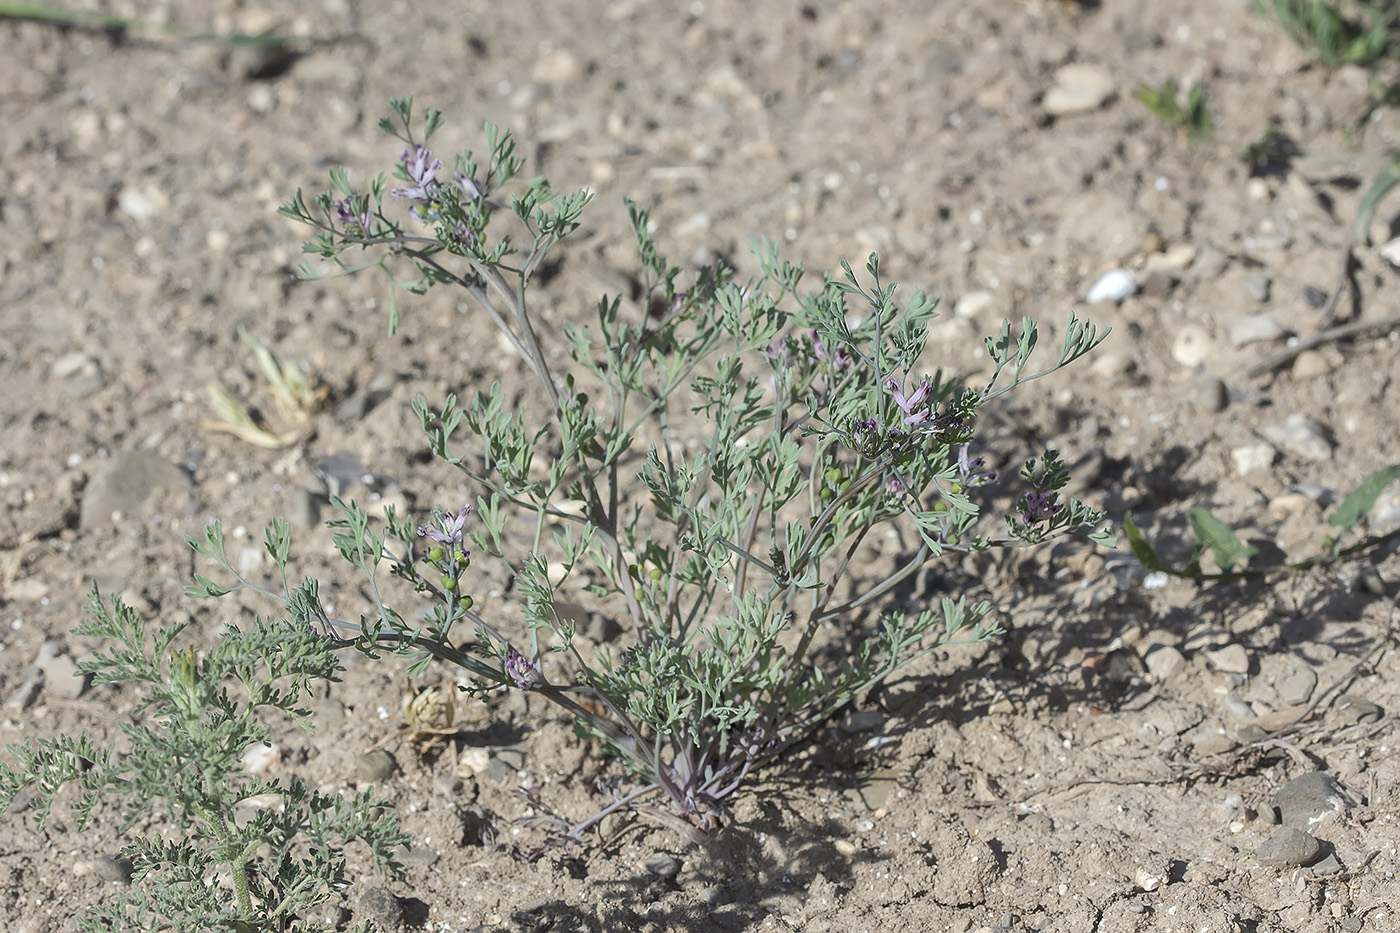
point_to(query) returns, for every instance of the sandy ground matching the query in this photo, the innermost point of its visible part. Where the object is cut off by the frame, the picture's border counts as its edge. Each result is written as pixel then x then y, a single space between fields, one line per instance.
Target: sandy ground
pixel 1101 768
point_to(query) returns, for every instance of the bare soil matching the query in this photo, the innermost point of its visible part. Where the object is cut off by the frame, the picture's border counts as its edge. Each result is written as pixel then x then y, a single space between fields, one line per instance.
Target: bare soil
pixel 1061 779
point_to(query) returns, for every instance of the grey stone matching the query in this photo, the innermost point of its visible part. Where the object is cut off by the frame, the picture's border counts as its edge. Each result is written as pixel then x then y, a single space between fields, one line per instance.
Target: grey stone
pixel 858 721
pixel 1289 848
pixel 1257 286
pixel 374 766
pixel 106 868
pixel 1255 328
pixel 1296 689
pixel 378 904
pixel 1079 88
pixel 1304 801
pixel 663 866
pixel 1212 743
pixel 124 483
pixel 1239 710
pixel 1353 709
pixel 1212 395
pixel 61 678
pixel 1330 865
pixel 1231 659
pixel 1165 661
pixel 1300 436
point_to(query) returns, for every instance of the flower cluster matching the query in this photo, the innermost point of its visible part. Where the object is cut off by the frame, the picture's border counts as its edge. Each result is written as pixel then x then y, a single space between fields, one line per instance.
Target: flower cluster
pixel 421 168
pixel 1036 507
pixel 523 672
pixel 353 214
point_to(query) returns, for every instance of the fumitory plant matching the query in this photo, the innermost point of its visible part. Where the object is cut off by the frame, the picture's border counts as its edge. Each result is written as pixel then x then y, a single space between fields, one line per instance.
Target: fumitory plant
pixel 263 869
pixel 773 429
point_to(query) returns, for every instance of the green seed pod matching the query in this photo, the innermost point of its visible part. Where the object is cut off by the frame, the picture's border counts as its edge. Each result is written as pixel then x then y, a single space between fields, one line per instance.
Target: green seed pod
pixel 467 602
pixel 655 575
pixel 449 583
pixel 638 595
pixel 832 474
pixel 940 506
pixel 827 495
pixel 435 555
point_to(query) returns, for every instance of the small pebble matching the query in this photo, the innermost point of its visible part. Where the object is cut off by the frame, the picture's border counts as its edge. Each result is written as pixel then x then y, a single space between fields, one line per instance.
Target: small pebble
pixel 374 766
pixel 1192 346
pixel 1212 396
pixel 473 761
pixel 663 866
pixel 105 868
pixel 1310 364
pixel 1252 458
pixel 974 303
pixel 1255 328
pixel 1352 709
pixel 1289 848
pixel 1300 436
pixel 1173 259
pixel 1328 866
pixel 1306 799
pixel 1079 88
pixel 1296 689
pixel 1257 286
pixel 1292 503
pixel 844 848
pixel 260 756
pixel 61 678
pixel 1112 286
pixel 1158 284
pixel 556 67
pixel 1238 708
pixel 1391 252
pixel 858 721
pixel 1163 662
pixel 1232 659
pixel 379 905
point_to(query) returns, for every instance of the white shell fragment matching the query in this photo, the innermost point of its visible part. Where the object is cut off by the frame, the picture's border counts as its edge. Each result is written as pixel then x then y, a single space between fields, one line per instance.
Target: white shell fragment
pixel 1113 286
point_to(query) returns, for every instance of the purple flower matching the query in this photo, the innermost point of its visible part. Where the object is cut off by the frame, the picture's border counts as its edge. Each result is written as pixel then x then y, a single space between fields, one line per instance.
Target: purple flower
pixel 469 187
pixel 422 170
pixel 1037 507
pixel 971 472
pixel 449 527
pixel 838 359
pixel 353 214
pixel 461 235
pixel 896 485
pixel 866 436
pixel 523 672
pixel 778 354
pixel 915 405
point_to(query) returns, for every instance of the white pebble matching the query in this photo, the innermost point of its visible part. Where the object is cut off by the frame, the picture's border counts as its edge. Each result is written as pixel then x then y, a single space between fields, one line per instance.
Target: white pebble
pixel 1113 286
pixel 259 757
